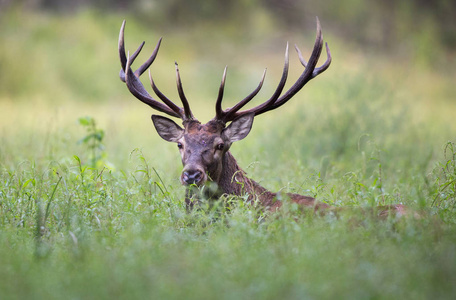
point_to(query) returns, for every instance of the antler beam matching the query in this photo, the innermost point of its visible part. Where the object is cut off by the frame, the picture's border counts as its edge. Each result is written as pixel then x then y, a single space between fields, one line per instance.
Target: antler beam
pixel 277 99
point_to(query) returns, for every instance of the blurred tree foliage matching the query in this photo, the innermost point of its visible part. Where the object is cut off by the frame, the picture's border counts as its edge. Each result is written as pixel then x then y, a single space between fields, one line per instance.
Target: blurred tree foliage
pixel 387 20
pixel 377 23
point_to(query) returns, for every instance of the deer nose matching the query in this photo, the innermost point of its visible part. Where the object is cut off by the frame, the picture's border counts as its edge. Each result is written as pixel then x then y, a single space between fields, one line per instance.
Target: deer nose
pixel 192 176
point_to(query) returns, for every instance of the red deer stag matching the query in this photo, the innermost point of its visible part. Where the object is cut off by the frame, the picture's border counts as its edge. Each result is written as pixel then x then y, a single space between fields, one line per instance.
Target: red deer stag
pixel 204 148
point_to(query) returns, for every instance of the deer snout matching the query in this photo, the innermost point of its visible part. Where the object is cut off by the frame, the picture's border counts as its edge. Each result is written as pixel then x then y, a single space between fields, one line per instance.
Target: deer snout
pixel 192 177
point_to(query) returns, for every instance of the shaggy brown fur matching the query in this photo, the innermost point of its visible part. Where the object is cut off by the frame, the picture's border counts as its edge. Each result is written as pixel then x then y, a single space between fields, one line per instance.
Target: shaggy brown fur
pixel 235 182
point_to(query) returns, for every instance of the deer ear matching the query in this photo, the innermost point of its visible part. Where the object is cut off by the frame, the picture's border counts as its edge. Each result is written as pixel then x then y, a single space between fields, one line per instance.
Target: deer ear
pixel 239 128
pixel 167 129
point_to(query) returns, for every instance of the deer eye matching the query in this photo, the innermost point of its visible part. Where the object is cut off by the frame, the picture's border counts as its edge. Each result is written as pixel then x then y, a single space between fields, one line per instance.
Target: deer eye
pixel 180 146
pixel 220 146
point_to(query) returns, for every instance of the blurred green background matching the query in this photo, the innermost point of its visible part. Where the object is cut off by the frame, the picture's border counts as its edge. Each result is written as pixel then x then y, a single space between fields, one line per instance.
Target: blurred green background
pixel 391 82
pixel 90 196
pixel 59 60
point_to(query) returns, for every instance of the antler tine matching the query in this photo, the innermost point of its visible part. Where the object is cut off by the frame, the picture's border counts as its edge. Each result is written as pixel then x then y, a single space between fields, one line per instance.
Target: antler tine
pixel 232 111
pixel 279 88
pixel 187 111
pixel 326 64
pixel 135 86
pixel 165 99
pixel 301 58
pixel 136 53
pixel 151 59
pixel 319 69
pixel 123 58
pixel 219 113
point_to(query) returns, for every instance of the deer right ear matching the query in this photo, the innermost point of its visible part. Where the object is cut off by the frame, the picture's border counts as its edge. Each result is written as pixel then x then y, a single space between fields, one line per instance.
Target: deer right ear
pixel 167 129
pixel 239 128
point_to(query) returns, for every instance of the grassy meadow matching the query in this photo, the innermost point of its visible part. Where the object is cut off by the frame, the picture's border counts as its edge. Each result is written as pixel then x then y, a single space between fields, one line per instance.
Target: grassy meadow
pixel 90 202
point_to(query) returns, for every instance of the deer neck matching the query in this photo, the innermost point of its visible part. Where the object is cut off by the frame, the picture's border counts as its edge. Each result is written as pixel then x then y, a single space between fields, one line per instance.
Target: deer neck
pixel 234 181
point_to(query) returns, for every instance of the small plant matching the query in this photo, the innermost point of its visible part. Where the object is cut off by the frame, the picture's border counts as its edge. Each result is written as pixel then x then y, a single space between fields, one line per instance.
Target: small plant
pixel 445 197
pixel 93 141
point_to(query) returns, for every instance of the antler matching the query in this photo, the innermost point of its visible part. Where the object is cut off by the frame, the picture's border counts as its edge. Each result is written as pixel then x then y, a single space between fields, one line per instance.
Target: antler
pixel 135 86
pixel 276 99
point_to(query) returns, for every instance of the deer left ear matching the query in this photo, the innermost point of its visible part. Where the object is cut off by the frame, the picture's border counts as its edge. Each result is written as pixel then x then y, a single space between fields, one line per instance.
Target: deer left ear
pixel 167 129
pixel 239 128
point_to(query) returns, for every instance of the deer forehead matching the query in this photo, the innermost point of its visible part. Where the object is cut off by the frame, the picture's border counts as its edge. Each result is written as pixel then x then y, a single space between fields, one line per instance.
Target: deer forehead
pixel 201 140
pixel 203 135
pixel 211 127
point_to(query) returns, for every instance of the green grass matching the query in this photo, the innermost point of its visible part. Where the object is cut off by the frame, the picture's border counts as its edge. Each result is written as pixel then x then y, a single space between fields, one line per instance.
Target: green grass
pixel 92 215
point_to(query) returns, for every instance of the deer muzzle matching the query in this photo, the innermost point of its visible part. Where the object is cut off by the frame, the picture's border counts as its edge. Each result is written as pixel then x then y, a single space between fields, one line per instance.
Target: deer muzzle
pixel 193 176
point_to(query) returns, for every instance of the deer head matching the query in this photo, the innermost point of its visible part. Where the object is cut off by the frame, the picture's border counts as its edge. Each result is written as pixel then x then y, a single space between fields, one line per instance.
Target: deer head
pixel 204 146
